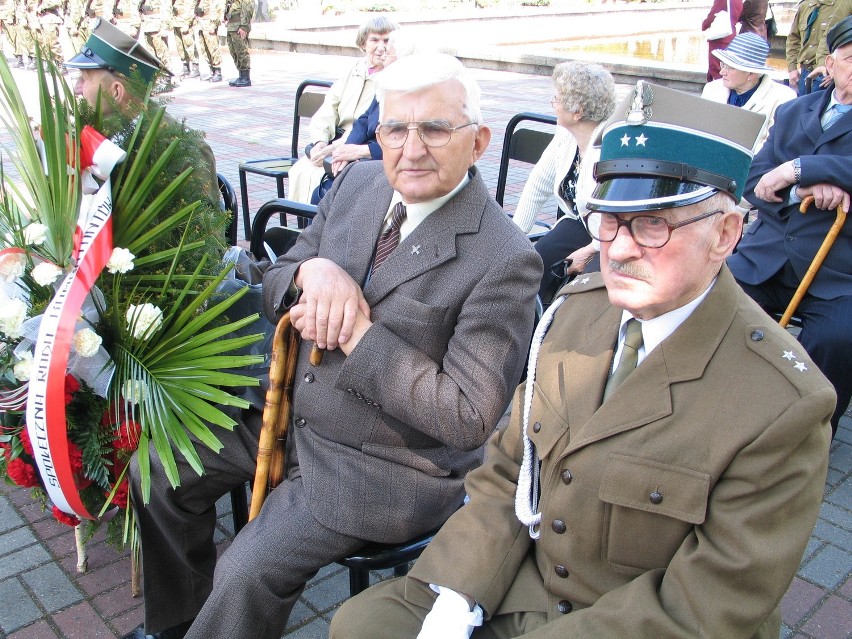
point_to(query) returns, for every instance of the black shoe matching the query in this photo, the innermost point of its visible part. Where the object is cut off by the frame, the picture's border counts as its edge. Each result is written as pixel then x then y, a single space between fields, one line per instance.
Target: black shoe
pixel 18 63
pixel 194 73
pixel 175 632
pixel 243 81
pixel 217 75
pixel 185 71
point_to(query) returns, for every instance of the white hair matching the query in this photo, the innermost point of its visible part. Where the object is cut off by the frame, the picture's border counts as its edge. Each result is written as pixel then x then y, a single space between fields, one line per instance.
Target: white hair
pixel 423 70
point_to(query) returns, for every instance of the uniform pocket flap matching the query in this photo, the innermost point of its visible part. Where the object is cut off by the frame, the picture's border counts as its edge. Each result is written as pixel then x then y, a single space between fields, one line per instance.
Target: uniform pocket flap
pixel 654 487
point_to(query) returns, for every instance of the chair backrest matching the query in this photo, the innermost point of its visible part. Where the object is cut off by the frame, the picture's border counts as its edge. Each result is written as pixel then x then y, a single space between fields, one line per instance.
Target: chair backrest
pixel 280 238
pixel 229 202
pixel 522 145
pixel 307 103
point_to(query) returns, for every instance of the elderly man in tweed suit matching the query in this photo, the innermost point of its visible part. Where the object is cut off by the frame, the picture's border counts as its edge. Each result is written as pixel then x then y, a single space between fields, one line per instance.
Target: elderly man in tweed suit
pixel 424 343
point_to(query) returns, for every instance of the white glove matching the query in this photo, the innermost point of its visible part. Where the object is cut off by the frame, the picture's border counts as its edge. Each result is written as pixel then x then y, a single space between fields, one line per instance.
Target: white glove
pixel 450 617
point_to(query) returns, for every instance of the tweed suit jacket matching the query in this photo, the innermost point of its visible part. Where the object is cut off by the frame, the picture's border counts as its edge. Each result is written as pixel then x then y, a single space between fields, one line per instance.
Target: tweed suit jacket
pixel 386 435
pixel 781 233
pixel 679 508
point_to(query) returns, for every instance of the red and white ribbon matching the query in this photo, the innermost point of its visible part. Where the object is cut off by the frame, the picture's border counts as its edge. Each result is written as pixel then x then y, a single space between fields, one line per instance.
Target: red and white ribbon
pixel 46 400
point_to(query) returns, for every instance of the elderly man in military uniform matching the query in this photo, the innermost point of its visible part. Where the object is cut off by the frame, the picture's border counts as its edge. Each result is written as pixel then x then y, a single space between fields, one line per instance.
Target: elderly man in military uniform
pixel 645 485
pixel 183 24
pixel 209 15
pixel 238 17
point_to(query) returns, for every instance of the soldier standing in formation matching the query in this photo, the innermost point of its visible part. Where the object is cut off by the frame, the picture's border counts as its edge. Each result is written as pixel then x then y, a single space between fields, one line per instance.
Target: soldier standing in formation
pixel 47 23
pixel 183 21
pixel 156 23
pixel 238 15
pixel 9 26
pixel 125 15
pixel 209 17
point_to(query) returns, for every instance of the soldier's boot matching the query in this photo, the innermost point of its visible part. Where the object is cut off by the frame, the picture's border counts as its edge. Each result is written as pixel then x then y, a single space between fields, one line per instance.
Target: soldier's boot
pixel 185 71
pixel 217 74
pixel 194 73
pixel 19 62
pixel 243 81
pixel 31 65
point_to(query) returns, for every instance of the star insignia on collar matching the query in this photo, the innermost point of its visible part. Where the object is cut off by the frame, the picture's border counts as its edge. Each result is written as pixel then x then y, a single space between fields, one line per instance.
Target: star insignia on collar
pixel 625 141
pixel 641 139
pixel 789 355
pixel 573 283
pixel 415 250
pixel 800 366
pixel 585 280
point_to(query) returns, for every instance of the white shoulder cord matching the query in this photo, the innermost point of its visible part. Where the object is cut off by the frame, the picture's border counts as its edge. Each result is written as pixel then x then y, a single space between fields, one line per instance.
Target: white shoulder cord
pixel 526 497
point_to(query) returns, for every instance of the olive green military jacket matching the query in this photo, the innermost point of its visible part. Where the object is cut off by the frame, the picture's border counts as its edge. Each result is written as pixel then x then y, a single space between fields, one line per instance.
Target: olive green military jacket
pixel 812 51
pixel 238 14
pixel 679 508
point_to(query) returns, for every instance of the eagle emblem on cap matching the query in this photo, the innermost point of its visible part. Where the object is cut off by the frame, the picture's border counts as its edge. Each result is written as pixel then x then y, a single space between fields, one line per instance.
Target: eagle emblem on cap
pixel 640 109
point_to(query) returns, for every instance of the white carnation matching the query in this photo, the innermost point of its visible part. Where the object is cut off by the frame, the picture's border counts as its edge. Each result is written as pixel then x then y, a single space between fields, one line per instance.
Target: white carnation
pixel 120 261
pixel 23 368
pixel 35 233
pixel 134 391
pixel 46 273
pixel 13 312
pixel 143 320
pixel 86 342
pixel 12 266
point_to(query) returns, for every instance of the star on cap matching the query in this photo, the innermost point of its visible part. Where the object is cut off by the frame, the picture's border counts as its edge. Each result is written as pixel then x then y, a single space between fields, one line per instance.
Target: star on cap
pixel 789 355
pixel 641 139
pixel 800 366
pixel 625 141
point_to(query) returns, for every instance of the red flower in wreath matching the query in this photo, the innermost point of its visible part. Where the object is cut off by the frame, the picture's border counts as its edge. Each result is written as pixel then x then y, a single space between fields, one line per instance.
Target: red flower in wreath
pixel 22 473
pixel 65 518
pixel 120 497
pixel 75 455
pixel 24 436
pixel 127 436
pixel 71 387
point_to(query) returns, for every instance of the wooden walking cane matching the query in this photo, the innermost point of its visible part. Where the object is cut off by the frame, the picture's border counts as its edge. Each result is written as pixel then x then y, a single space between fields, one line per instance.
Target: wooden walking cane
pixel 276 413
pixel 824 248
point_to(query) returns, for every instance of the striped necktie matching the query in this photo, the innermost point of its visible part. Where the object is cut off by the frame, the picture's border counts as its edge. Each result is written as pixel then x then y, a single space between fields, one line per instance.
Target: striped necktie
pixel 390 238
pixel 833 114
pixel 629 356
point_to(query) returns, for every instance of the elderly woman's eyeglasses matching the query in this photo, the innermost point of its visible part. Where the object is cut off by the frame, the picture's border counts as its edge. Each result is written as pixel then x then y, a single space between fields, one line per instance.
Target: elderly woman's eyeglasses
pixel 555 102
pixel 433 133
pixel 648 231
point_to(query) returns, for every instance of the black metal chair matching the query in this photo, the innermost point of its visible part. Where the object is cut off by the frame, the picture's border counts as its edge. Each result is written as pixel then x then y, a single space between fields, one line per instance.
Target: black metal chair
pixel 306 104
pixel 279 238
pixel 229 201
pixel 523 145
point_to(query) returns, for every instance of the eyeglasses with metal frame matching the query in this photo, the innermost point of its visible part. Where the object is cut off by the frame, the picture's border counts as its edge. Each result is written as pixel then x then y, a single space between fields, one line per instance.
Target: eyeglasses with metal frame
pixel 433 133
pixel 648 231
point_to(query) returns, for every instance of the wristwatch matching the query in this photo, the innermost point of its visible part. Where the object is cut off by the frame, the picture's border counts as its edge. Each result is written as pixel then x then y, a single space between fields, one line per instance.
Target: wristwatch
pixel 797 170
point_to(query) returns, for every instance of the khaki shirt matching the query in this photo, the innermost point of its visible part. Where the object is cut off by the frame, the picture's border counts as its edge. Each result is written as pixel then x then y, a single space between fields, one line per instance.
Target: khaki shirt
pixel 811 52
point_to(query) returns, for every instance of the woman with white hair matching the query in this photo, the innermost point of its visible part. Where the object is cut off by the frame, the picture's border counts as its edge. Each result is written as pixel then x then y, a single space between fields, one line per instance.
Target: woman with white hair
pixel 348 98
pixel 584 99
pixel 745 82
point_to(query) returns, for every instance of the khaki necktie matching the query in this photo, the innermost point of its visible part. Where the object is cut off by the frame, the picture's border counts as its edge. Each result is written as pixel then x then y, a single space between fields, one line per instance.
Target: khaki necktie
pixel 629 356
pixel 390 238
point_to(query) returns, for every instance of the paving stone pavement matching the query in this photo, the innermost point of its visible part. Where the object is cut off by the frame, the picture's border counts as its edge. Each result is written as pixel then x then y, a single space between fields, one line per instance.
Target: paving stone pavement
pixel 43 597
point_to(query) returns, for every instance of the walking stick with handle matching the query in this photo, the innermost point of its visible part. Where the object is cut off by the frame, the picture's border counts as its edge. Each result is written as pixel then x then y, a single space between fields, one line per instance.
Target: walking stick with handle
pixel 824 248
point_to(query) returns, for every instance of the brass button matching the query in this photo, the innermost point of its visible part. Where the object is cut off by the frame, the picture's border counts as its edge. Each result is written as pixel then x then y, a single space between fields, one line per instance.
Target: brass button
pixel 536 427
pixel 309 377
pixel 558 526
pixel 566 476
pixel 561 571
pixel 564 607
pixel 656 497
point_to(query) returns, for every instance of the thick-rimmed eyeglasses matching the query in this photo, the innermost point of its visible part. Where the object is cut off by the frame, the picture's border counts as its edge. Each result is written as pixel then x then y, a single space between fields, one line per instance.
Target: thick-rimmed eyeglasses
pixel 648 231
pixel 433 133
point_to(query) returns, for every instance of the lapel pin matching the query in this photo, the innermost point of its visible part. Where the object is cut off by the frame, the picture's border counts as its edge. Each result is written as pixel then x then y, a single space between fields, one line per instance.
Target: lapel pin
pixel 415 250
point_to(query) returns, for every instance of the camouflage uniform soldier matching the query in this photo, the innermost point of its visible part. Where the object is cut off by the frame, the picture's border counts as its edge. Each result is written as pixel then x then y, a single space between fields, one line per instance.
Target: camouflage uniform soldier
pixel 156 22
pixel 49 19
pixel 238 15
pixel 209 13
pixel 183 22
pixel 27 20
pixel 125 15
pixel 9 26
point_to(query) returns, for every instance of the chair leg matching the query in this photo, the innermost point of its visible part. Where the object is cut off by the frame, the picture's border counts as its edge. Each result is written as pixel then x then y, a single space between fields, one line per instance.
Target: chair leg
pixel 239 507
pixel 359 580
pixel 245 202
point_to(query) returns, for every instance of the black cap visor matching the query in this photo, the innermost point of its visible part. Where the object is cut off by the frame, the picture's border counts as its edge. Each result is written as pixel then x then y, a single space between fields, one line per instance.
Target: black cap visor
pixel 632 194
